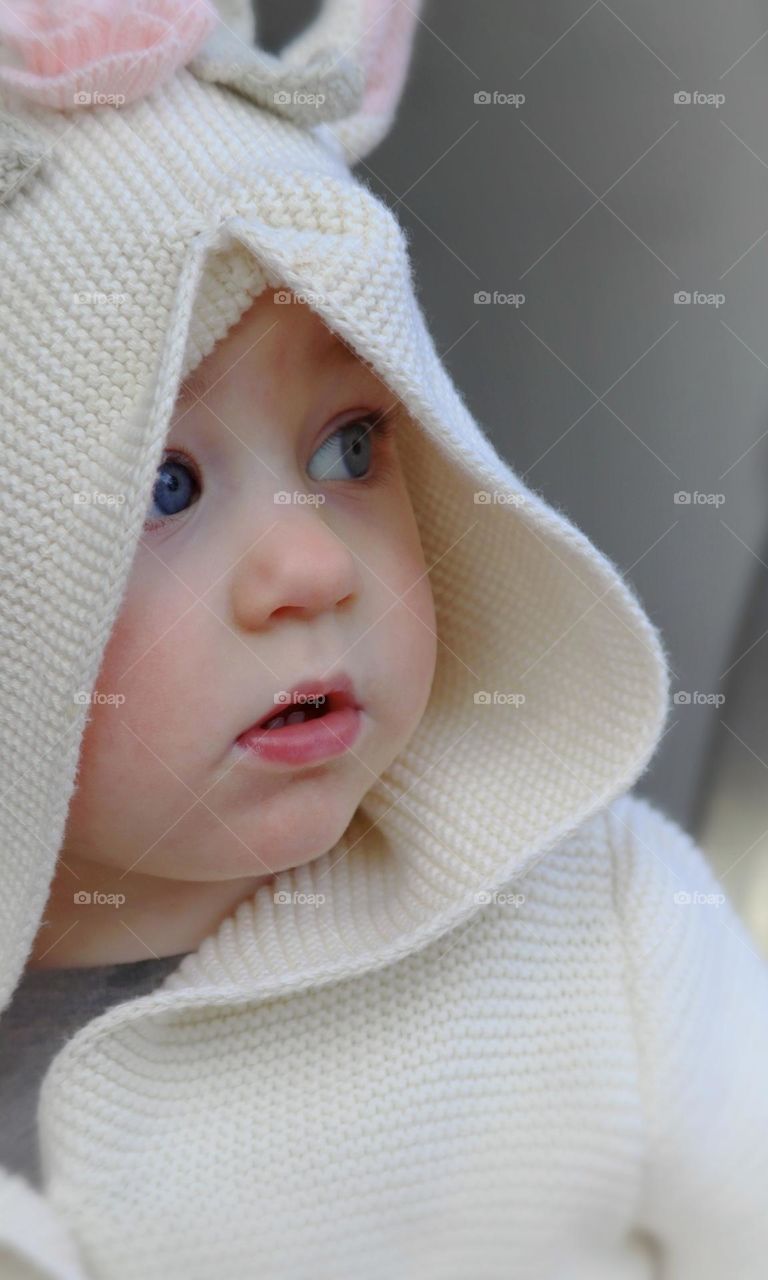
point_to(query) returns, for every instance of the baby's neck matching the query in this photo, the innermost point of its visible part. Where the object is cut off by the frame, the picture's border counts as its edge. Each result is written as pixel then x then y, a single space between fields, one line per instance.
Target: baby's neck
pixel 128 916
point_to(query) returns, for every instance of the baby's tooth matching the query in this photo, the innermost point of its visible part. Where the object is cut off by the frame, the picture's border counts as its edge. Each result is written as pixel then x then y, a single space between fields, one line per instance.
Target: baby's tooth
pixel 295 717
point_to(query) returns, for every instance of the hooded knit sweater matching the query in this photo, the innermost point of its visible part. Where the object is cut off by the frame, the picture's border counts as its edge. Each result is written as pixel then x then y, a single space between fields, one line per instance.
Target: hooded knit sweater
pixel 48 1006
pixel 526 1036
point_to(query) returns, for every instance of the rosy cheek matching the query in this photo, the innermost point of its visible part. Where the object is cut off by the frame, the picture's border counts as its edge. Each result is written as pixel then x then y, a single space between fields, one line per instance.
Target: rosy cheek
pixel 408 576
pixel 140 666
pixel 174 665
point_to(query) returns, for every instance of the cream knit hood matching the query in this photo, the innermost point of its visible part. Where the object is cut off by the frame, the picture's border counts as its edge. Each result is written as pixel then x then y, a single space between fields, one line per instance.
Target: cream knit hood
pixel 229 176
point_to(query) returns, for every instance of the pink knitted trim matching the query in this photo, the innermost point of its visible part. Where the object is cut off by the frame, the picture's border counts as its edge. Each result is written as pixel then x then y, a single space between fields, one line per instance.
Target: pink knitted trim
pixel 89 51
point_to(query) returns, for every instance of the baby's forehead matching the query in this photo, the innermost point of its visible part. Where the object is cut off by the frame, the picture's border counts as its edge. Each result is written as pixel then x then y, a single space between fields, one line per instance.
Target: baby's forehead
pixel 279 334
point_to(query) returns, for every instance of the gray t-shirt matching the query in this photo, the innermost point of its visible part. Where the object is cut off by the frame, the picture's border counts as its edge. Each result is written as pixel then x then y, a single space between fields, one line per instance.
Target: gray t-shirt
pixel 47 1008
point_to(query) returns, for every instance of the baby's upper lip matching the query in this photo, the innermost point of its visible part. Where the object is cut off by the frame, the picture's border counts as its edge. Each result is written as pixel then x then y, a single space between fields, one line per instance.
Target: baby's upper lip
pixel 338 690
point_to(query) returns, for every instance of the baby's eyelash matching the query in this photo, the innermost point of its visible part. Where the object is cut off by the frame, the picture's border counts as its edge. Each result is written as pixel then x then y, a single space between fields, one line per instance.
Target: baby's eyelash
pixel 383 424
pixel 380 420
pixel 386 419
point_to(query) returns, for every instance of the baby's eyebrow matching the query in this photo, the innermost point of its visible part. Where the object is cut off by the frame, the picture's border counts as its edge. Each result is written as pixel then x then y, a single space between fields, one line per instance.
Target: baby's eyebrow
pixel 194 386
pixel 330 347
pixel 337 352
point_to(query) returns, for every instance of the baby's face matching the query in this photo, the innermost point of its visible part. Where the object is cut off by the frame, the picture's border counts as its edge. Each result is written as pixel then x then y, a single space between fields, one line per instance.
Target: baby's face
pixel 235 596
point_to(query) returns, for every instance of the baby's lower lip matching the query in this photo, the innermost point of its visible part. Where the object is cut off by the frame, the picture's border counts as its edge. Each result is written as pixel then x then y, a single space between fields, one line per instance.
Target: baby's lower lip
pixel 296 744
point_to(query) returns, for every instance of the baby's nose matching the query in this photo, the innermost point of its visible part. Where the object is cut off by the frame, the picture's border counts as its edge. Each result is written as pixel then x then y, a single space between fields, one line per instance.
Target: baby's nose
pixel 298 565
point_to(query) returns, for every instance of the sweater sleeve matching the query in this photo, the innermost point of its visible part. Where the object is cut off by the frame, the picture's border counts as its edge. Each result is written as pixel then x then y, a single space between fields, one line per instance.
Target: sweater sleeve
pixel 698 985
pixel 34 1243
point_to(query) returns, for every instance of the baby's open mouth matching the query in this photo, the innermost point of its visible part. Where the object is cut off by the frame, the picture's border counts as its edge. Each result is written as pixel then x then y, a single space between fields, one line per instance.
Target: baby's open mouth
pixel 308 711
pixel 286 734
pixel 312 700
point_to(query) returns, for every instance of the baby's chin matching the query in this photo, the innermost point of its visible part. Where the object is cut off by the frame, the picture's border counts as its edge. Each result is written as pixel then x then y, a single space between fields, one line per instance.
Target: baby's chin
pixel 263 842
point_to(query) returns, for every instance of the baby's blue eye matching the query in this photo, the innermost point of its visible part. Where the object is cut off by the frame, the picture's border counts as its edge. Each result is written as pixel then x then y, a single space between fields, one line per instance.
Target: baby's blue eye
pixel 348 450
pixel 175 489
pixel 344 455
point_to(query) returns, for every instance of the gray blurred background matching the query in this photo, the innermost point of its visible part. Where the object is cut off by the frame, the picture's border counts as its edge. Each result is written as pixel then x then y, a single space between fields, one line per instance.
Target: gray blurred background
pixel 600 196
